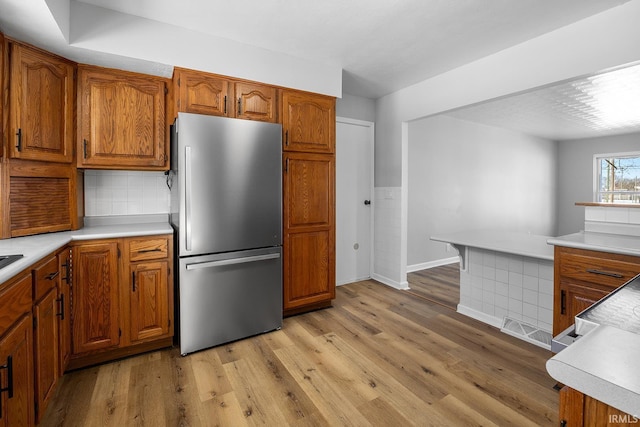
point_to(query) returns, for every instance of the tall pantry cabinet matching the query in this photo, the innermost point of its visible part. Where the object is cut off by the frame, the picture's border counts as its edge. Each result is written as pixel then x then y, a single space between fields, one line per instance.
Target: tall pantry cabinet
pixel 308 126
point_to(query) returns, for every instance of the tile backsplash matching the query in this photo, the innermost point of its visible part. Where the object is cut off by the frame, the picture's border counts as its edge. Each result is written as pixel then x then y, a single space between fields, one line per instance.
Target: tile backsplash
pixel 125 193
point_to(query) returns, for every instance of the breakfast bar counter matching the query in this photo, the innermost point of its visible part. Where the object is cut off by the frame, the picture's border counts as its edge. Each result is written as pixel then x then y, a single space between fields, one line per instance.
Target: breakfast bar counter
pixel 506 280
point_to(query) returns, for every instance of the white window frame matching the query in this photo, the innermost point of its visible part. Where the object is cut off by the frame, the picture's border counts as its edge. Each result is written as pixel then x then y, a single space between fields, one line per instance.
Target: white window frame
pixel 596 171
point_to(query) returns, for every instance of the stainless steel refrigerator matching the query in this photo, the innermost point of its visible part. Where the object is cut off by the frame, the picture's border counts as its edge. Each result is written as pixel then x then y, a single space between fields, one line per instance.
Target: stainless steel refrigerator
pixel 226 208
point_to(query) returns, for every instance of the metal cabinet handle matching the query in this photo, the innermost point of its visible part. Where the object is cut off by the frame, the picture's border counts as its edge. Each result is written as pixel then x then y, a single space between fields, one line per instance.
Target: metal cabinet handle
pixel 19 139
pixel 133 281
pixel 286 138
pixel 239 106
pixel 61 301
pixel 563 302
pixel 9 388
pixel 225 104
pixel 67 276
pixel 84 148
pixel 144 251
pixel 604 273
pixel 52 276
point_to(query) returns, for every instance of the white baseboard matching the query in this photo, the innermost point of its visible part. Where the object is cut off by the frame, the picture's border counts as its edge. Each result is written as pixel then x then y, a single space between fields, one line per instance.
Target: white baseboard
pixel 432 264
pixel 483 317
pixel 391 283
pixel 347 281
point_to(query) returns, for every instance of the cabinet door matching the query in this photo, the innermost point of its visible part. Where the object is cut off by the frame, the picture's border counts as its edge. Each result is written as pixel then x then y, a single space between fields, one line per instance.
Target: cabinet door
pixel 203 93
pixel 308 122
pixel 16 363
pixel 255 102
pixel 95 322
pixel 309 191
pixel 46 349
pixel 572 300
pixel 64 306
pixel 121 120
pixel 149 313
pixel 309 268
pixel 42 102
pixel 571 407
pixel 309 229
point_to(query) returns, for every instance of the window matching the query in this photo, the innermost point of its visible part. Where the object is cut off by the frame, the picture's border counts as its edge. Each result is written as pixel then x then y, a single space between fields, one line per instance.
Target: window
pixel 617 178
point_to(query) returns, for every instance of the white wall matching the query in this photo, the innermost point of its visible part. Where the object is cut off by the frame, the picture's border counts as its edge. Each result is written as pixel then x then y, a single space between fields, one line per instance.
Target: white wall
pixel 575 174
pixel 356 107
pixel 467 176
pixel 600 42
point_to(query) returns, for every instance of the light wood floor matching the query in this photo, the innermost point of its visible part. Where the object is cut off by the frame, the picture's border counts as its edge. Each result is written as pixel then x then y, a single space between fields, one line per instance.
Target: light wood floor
pixel 438 284
pixel 379 357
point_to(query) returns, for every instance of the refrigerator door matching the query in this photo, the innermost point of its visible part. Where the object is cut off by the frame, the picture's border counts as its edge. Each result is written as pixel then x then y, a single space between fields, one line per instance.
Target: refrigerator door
pixel 226 297
pixel 230 184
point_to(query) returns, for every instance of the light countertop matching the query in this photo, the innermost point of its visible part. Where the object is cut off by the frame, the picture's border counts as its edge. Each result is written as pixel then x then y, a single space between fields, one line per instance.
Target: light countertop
pixel 35 248
pixel 604 365
pixel 615 243
pixel 524 244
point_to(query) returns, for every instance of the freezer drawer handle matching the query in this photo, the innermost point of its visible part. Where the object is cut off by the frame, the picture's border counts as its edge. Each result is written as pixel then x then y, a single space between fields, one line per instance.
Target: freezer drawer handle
pixel 231 261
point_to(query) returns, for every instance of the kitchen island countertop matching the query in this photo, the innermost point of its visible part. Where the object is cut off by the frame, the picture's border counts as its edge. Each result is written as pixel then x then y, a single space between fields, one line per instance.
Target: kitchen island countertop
pixel 525 244
pixel 604 242
pixel 34 248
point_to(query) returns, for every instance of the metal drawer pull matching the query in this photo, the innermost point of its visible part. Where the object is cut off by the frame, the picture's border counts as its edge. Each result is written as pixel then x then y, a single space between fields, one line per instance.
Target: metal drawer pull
pixel 52 275
pixel 605 273
pixel 144 251
pixel 563 302
pixel 231 261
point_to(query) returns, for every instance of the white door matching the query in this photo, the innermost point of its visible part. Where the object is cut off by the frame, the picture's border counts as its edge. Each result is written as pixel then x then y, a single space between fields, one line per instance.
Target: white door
pixel 354 190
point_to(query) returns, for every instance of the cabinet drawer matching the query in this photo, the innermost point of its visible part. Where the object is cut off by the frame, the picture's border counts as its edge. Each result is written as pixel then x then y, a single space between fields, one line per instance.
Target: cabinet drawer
pixel 15 300
pixel 600 271
pixel 144 249
pixel 46 277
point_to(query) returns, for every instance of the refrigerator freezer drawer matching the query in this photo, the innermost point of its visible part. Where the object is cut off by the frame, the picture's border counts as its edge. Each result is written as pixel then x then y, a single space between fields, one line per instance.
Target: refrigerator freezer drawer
pixel 226 297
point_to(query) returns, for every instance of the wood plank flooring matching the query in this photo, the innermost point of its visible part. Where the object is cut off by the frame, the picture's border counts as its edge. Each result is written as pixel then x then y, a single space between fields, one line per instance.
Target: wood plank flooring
pixel 379 357
pixel 438 284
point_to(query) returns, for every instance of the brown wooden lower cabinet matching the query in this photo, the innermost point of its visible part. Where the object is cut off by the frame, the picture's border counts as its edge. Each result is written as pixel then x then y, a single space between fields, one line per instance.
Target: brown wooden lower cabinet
pixel 309 231
pixel 582 277
pixel 16 352
pixel 578 410
pixel 122 298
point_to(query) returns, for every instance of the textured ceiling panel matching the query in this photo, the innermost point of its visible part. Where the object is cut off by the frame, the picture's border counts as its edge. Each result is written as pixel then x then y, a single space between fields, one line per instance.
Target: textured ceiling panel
pixel 605 104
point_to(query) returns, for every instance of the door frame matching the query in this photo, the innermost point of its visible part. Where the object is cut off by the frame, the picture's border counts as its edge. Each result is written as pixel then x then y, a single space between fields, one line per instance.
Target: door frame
pixel 371 127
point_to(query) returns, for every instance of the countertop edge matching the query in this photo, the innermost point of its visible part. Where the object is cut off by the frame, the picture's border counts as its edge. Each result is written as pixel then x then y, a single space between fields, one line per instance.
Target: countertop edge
pixel 37 247
pixel 572 367
pixel 607 242
pixel 482 240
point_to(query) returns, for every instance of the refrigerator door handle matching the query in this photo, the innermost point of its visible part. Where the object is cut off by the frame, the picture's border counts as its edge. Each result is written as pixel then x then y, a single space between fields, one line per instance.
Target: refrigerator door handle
pixel 223 262
pixel 187 197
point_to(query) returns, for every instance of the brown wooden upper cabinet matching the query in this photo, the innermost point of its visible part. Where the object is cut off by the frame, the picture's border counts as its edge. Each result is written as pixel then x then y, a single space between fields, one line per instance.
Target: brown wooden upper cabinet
pixel 41 93
pixel 121 120
pixel 204 93
pixel 308 122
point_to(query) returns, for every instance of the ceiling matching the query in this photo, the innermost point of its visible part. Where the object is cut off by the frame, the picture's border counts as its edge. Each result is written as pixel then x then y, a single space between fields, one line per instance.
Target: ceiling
pixel 604 104
pixel 380 45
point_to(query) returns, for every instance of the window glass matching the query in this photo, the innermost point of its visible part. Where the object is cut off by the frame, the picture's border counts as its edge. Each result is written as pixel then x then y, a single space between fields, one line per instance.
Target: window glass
pixel 618 178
